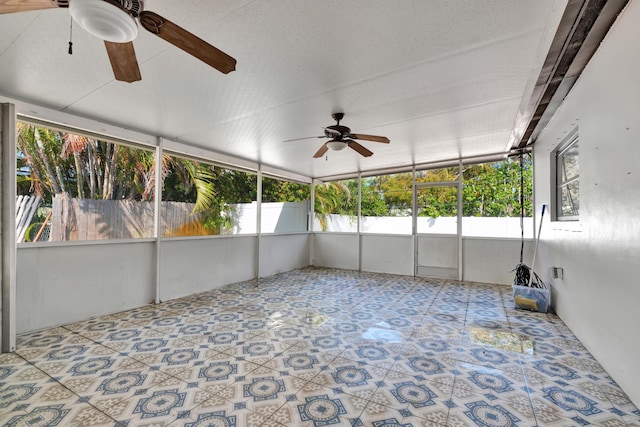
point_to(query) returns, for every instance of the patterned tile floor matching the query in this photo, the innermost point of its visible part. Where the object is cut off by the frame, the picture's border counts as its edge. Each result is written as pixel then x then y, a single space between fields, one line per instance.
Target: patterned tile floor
pixel 314 347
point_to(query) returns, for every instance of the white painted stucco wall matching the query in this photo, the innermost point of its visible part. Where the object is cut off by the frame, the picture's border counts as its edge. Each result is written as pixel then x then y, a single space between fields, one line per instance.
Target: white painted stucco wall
pixel 283 252
pixel 487 260
pixel 336 250
pixel 387 254
pixel 193 265
pixel 599 295
pixel 62 284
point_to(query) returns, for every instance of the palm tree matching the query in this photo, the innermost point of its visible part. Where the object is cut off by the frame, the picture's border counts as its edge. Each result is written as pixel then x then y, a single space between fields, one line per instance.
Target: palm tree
pixel 329 198
pixel 57 162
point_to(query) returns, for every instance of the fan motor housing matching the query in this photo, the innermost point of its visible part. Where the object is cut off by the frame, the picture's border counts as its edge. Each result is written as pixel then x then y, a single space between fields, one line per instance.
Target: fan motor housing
pixel 132 7
pixel 343 130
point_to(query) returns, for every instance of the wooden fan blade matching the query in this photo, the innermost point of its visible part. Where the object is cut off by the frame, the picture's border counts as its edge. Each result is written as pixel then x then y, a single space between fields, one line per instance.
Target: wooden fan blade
pixel 12 6
pixel 321 151
pixel 360 149
pixel 373 138
pixel 123 61
pixel 190 43
pixel 308 137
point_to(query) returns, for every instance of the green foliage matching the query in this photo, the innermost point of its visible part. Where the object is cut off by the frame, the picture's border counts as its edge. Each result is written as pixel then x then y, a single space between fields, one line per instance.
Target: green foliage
pixel 215 190
pixel 374 202
pixel 335 198
pixel 493 189
pixel 54 162
pixel 51 162
pixel 435 202
pixel 275 190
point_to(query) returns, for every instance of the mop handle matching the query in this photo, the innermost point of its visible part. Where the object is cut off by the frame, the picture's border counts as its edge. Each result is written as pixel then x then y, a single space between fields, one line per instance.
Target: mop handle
pixel 535 249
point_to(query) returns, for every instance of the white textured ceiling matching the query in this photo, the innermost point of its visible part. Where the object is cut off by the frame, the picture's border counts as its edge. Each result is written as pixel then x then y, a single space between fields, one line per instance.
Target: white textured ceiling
pixel 441 79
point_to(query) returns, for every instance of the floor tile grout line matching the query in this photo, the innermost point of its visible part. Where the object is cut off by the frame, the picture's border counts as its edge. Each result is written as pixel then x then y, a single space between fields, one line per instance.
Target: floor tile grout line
pixel 51 378
pixel 444 290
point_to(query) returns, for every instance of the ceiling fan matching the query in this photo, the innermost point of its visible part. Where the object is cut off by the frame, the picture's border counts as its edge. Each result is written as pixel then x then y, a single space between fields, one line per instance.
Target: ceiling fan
pixel 115 22
pixel 341 138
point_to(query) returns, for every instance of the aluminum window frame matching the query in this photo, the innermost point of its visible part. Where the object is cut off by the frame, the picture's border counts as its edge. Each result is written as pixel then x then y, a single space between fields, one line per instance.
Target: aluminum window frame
pixel 571 142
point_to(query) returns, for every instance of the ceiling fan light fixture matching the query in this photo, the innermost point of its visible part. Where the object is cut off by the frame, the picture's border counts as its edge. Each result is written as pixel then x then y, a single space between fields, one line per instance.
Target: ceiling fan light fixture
pixel 336 145
pixel 104 20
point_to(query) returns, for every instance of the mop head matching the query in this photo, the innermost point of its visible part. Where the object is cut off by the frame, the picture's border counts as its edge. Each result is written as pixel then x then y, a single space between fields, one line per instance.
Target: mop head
pixel 523 275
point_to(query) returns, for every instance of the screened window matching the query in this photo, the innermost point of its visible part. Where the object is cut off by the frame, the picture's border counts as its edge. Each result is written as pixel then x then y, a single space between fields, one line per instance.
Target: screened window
pixel 201 199
pixel 567 181
pixel 387 204
pixel 437 201
pixel 74 187
pixel 285 206
pixel 492 197
pixel 336 206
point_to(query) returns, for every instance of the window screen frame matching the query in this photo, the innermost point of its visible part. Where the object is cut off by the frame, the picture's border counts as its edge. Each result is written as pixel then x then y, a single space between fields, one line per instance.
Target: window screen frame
pixel 571 142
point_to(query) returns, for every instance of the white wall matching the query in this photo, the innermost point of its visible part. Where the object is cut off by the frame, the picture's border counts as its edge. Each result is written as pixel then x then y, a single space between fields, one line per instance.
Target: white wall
pixel 335 250
pixel 75 281
pixel 599 295
pixel 488 260
pixel 283 252
pixel 437 256
pixel 492 260
pixel 387 254
pixel 189 266
pixel 63 284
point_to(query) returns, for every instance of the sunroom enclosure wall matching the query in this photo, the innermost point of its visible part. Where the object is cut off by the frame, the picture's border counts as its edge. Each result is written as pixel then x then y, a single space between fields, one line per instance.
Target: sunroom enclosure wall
pixel 381 240
pixel 598 295
pixel 64 282
pixel 484 259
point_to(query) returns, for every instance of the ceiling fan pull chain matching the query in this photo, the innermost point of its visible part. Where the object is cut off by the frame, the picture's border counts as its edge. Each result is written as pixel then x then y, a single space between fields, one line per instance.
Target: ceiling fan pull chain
pixel 71 37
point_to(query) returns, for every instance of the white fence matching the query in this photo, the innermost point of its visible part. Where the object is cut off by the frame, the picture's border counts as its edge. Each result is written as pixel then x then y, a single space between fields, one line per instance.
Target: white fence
pixel 471 226
pixel 91 220
pixel 286 217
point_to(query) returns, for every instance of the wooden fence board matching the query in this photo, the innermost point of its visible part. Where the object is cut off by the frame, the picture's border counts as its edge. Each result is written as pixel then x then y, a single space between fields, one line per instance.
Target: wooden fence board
pixel 86 219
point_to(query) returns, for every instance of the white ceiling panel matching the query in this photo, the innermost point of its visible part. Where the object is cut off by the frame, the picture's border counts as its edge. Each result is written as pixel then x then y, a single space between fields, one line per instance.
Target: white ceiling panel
pixel 440 79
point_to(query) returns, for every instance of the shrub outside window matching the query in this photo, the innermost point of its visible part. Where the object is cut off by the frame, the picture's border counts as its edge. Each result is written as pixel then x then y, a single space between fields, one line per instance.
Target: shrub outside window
pixel 387 204
pixel 491 198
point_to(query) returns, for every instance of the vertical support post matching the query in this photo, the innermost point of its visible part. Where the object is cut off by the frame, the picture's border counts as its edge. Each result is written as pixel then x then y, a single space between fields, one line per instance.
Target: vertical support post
pixel 414 220
pixel 157 199
pixel 459 228
pixel 533 195
pixel 359 222
pixel 8 226
pixel 312 212
pixel 258 220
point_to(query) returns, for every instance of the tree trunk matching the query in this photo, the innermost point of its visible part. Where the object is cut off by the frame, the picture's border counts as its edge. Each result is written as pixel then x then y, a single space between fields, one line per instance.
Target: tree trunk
pixel 99 169
pixel 91 152
pixel 110 171
pixel 49 170
pixel 79 174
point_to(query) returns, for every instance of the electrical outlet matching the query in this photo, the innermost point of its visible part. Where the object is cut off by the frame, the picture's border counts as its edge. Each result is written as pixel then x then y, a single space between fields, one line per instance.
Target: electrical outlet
pixel 557 272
